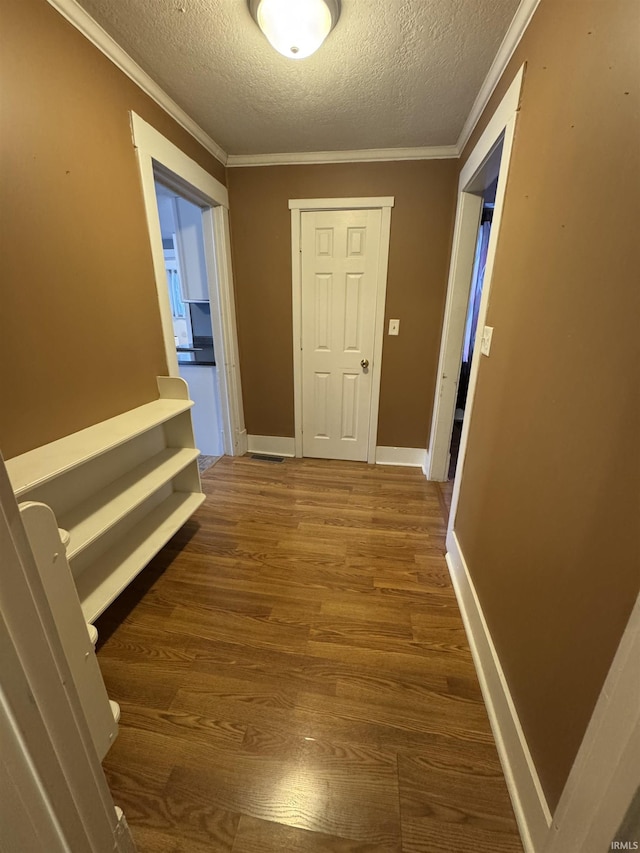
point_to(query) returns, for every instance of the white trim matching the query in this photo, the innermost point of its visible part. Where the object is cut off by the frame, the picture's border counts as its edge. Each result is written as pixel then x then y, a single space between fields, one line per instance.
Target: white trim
pixel 364 155
pixel 501 125
pixel 91 30
pixel 271 445
pixel 297 207
pixel 48 753
pixel 517 27
pixel 27 814
pixel 604 776
pixel 146 138
pixel 296 311
pixel 425 464
pixel 366 203
pixel 512 38
pixel 153 148
pixel 212 221
pixel 145 165
pixel 226 324
pixel 378 327
pixel 455 314
pixel 498 122
pixel 529 803
pixel 407 457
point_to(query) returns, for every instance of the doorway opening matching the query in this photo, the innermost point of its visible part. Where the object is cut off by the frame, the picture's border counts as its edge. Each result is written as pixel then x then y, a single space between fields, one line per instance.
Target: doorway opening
pixel 191 253
pixel 465 337
pixel 488 196
pixel 187 285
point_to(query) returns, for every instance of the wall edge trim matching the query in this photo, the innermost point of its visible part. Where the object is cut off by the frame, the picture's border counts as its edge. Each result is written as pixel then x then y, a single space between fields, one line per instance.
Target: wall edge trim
pixel 513 36
pixel 271 445
pixel 242 443
pixel 359 203
pixel 93 32
pixel 405 457
pixel 365 155
pixel 529 802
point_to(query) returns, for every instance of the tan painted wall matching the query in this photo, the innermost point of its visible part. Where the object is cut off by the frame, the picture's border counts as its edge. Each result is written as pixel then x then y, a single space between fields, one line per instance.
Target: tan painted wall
pixel 548 513
pixel 548 509
pixel 421 227
pixel 81 337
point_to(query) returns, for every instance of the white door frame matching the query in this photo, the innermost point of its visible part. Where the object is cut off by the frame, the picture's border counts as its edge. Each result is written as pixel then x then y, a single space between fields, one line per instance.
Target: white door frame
pixel 154 153
pixel 54 792
pixel 297 208
pixel 604 776
pixel 501 128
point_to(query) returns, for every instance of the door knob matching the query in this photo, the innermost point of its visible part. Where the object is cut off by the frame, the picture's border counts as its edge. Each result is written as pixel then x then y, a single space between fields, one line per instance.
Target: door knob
pixel 364 363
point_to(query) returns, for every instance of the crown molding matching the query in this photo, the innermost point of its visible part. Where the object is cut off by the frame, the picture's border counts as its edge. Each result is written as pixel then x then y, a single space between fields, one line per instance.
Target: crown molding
pixel 365 155
pixel 512 38
pixel 84 23
pixel 99 37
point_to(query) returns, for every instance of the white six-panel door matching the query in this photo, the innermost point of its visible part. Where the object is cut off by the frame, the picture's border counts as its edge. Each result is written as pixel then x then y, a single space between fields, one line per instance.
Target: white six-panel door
pixel 340 261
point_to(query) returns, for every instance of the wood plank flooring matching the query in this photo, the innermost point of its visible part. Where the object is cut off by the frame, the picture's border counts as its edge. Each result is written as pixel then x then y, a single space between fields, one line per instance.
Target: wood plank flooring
pixel 294 675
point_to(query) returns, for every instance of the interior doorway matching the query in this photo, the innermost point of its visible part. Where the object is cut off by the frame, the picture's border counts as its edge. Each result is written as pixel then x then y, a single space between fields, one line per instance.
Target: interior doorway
pixel 470 339
pixel 486 166
pixel 202 291
pixel 187 277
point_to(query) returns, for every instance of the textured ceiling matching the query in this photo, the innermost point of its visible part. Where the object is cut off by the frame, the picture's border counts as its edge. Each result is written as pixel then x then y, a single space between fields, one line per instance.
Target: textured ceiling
pixel 393 73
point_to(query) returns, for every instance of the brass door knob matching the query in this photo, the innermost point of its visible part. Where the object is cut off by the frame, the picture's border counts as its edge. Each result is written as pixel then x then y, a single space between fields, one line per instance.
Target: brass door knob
pixel 364 363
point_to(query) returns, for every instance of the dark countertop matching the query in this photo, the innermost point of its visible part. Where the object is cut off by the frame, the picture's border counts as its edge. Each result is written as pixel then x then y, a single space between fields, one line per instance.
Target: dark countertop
pixel 203 356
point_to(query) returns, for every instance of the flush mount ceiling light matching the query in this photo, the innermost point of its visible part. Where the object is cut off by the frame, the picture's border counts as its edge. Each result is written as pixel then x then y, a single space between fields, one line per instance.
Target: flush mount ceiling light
pixel 296 28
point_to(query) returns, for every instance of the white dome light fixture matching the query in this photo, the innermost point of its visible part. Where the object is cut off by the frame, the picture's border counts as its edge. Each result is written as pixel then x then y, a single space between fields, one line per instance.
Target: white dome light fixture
pixel 296 28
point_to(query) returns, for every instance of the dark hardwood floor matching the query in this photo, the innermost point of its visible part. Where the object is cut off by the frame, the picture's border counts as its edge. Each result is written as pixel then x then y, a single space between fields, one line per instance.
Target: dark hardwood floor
pixel 294 675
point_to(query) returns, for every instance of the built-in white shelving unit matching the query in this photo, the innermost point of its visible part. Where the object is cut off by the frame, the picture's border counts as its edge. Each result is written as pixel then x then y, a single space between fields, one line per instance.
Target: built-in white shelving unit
pixel 97 506
pixel 116 568
pixel 120 489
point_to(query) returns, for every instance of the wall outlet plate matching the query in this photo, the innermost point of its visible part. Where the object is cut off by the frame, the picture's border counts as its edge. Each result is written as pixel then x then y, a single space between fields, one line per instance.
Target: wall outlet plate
pixel 487 335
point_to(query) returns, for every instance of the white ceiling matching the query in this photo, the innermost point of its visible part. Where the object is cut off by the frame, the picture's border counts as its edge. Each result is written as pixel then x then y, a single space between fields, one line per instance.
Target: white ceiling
pixel 393 73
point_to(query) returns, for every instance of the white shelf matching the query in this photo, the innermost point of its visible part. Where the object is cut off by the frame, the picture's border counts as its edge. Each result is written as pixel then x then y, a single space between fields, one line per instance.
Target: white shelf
pixel 43 464
pixel 118 491
pixel 105 500
pixel 88 521
pixel 105 579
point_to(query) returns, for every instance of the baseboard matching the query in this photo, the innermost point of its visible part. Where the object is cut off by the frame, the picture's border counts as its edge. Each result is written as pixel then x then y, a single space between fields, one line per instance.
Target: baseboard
pixel 278 445
pixel 271 445
pixel 409 457
pixel 529 803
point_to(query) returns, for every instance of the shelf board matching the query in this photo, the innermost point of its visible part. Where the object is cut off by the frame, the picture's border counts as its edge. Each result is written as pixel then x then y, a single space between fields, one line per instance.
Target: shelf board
pixel 101 511
pixel 43 464
pixel 105 579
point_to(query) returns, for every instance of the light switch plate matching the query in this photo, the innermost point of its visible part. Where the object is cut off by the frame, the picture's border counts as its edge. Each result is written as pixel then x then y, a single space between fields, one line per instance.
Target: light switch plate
pixel 394 327
pixel 487 334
